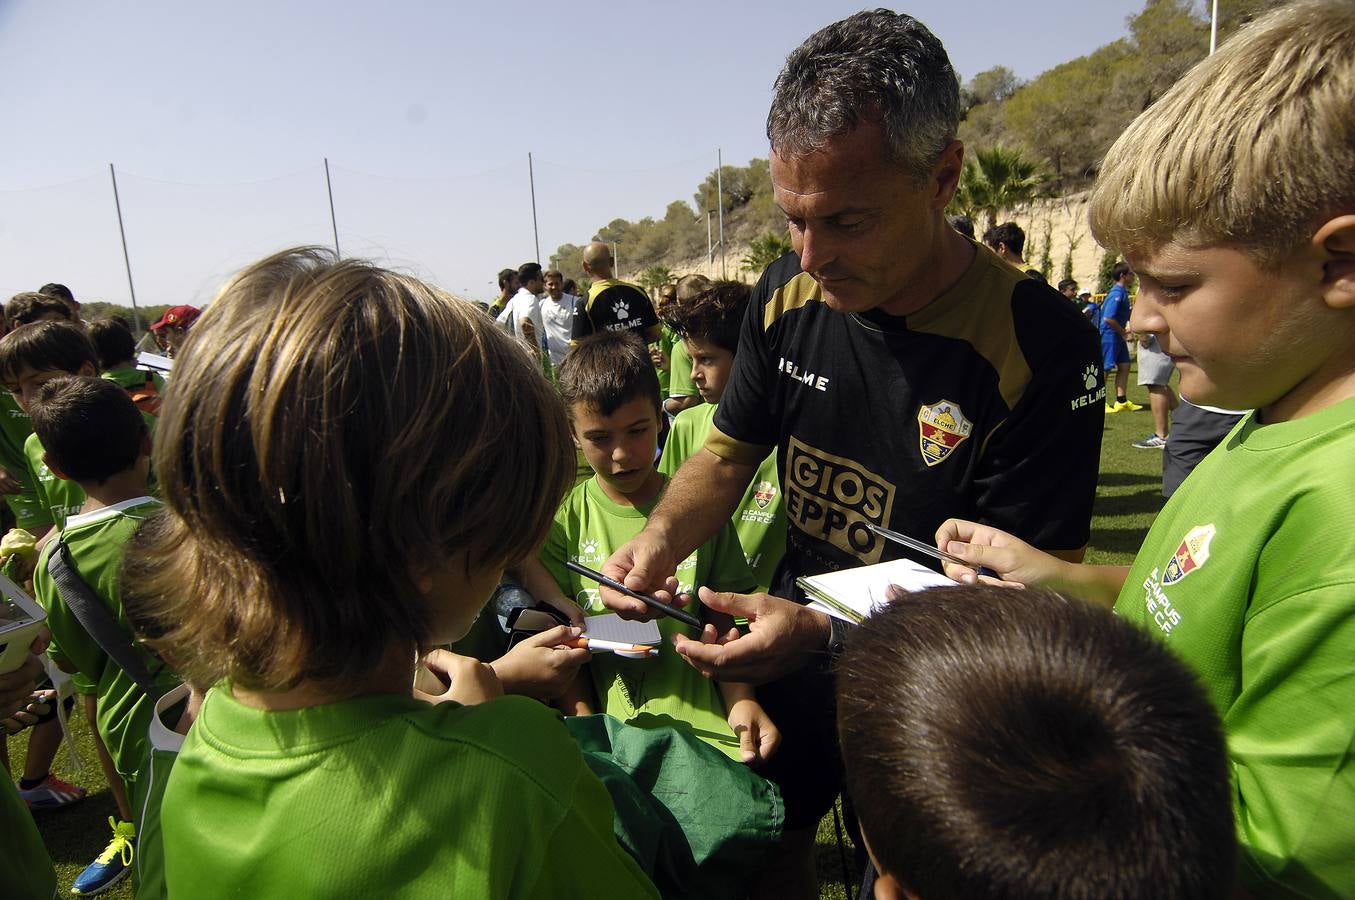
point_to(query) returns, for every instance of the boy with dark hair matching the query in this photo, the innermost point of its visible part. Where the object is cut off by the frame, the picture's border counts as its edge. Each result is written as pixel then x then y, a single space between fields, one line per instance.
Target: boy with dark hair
pixel 30 307
pixel 62 293
pixel 1114 344
pixel 113 341
pixel 95 437
pixel 1018 744
pixel 29 358
pixel 1009 242
pixel 709 326
pixel 610 387
pixel 1240 224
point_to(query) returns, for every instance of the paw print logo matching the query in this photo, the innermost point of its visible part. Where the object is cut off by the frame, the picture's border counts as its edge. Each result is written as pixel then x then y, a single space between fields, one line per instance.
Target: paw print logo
pixel 588 549
pixel 622 310
pixel 1089 377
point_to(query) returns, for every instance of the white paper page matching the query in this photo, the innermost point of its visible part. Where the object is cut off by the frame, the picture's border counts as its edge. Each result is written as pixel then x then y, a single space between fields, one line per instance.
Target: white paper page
pixel 611 627
pixel 864 587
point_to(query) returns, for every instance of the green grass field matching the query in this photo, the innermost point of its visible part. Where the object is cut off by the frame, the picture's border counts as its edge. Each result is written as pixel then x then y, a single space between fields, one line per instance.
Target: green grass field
pixel 1127 499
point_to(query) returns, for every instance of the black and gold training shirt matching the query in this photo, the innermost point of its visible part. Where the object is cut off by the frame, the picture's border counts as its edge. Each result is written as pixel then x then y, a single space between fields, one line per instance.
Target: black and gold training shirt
pixel 986 404
pixel 614 306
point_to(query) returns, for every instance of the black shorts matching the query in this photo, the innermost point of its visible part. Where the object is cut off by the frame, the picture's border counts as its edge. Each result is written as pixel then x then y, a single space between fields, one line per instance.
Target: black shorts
pixel 808 765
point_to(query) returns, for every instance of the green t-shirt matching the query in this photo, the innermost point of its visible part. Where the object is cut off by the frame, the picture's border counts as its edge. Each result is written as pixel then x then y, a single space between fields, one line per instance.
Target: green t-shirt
pixel 96 541
pixel 15 427
pixel 59 497
pixel 667 338
pixel 588 527
pixel 128 378
pixel 759 518
pixel 25 868
pixel 386 796
pixel 680 383
pixel 1249 574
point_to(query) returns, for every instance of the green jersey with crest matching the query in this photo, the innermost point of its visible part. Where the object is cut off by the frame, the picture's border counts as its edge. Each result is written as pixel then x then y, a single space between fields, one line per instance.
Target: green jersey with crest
pixel 96 541
pixel 1249 574
pixel 15 427
pixel 659 690
pixel 759 518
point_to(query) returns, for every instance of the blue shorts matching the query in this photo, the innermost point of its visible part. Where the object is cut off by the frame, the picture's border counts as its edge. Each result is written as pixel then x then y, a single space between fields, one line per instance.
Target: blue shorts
pixel 1114 351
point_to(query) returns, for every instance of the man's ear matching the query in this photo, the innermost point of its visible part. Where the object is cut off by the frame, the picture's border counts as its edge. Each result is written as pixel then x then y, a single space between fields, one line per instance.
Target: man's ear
pixel 946 174
pixel 87 369
pixel 47 461
pixel 1336 242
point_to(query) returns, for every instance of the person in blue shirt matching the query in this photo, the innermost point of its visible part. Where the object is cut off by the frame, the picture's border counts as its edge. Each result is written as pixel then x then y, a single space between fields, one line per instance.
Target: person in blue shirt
pixel 1114 348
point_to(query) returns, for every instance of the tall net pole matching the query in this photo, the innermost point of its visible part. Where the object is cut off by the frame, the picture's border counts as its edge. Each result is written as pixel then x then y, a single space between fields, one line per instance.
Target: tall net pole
pixel 720 203
pixel 126 259
pixel 334 222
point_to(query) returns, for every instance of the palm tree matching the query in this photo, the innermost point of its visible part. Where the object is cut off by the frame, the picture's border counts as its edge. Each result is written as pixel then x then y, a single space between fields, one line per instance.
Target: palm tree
pixel 765 250
pixel 655 277
pixel 997 179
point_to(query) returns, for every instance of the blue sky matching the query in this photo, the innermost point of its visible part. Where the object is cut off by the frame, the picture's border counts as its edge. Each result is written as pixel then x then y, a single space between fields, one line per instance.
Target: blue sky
pixel 217 117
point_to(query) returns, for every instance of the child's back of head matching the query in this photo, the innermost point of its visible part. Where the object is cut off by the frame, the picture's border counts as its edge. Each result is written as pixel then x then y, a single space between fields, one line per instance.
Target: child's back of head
pixel 31 306
pixel 334 431
pixel 605 371
pixel 1004 743
pixel 113 341
pixel 91 430
pixel 1252 148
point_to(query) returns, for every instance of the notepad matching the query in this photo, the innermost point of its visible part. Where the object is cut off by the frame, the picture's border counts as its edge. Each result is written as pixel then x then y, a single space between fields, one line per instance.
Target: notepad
pixel 853 594
pixel 611 627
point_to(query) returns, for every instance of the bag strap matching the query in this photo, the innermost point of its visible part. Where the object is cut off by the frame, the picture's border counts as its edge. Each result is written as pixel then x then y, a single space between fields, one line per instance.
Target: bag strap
pixel 97 621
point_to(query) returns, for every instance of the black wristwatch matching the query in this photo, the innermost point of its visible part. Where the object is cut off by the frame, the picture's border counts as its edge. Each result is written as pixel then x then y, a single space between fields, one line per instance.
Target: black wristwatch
pixel 838 630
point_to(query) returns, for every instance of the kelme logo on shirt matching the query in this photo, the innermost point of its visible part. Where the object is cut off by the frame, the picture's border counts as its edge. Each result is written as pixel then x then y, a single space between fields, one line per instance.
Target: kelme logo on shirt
pixel 1095 391
pixel 764 492
pixel 1192 553
pixel 942 427
pixel 588 551
pixel 831 498
pixel 621 310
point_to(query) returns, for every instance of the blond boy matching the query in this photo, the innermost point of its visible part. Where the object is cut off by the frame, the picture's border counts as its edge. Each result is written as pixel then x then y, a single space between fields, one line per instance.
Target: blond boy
pixel 1233 200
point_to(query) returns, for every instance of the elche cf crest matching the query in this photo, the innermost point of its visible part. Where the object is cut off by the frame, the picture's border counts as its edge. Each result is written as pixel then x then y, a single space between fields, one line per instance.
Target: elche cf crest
pixel 764 492
pixel 942 427
pixel 1191 554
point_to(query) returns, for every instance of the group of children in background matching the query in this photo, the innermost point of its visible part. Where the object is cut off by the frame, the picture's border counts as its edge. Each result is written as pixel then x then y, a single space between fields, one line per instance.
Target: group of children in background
pixel 347 460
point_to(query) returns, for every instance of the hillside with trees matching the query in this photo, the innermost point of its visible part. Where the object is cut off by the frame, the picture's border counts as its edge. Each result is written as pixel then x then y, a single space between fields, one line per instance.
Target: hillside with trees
pixel 1032 149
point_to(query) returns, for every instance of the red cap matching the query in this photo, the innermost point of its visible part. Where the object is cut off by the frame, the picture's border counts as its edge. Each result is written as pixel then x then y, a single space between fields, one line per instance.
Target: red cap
pixel 182 316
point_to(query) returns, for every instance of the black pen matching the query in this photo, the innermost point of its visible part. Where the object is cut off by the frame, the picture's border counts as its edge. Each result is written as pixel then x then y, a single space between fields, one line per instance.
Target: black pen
pixel 652 602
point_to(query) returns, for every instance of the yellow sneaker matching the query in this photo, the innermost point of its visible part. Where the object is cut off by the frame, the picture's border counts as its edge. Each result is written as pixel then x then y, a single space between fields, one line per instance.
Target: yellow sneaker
pixel 1112 409
pixel 1129 405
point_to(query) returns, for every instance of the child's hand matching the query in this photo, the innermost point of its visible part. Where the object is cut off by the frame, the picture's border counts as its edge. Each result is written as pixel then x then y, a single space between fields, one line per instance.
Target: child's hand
pixel 464 680
pixel 1017 563
pixel 541 666
pixel 758 735
pixel 8 483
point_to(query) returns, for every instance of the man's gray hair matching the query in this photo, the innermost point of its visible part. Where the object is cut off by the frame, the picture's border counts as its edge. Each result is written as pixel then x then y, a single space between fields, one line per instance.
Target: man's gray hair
pixel 876 66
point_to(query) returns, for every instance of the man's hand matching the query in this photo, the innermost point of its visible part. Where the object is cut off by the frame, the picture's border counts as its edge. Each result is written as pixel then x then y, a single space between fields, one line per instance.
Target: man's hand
pixel 642 564
pixel 782 637
pixel 660 359
pixel 462 679
pixel 541 666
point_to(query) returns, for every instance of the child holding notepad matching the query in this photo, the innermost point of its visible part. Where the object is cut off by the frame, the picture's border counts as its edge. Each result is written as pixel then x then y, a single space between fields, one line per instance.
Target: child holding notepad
pixel 612 393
